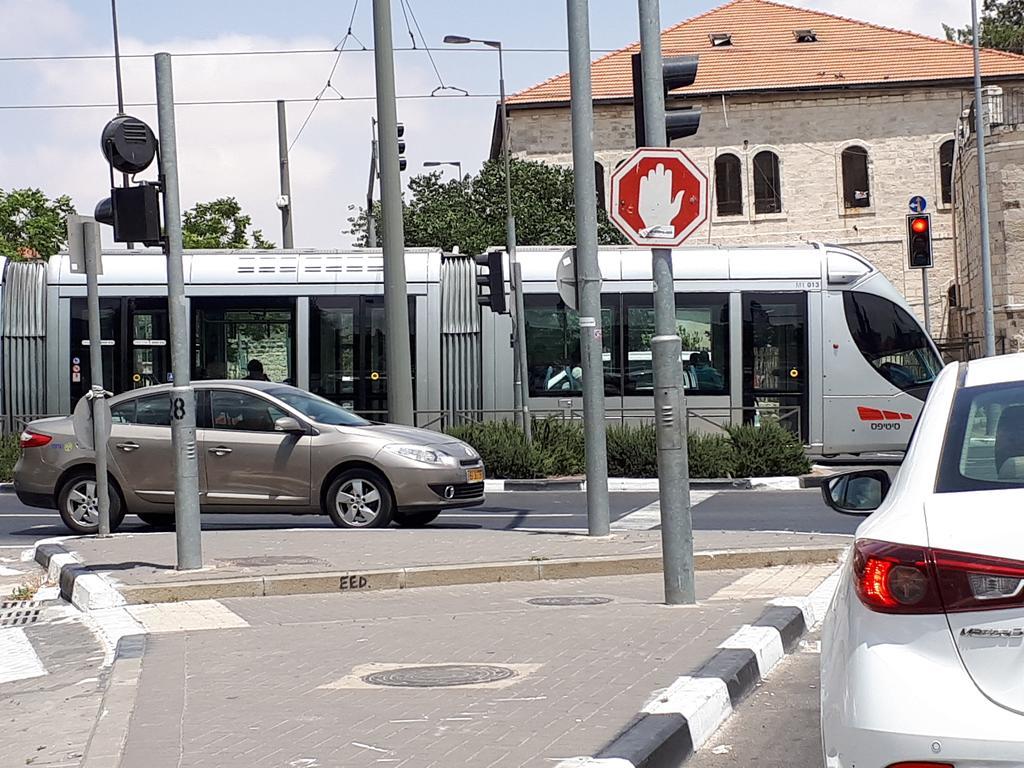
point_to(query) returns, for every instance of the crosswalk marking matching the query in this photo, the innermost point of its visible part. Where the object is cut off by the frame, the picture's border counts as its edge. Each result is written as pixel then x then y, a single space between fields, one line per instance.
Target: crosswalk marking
pixel 18 659
pixel 649 517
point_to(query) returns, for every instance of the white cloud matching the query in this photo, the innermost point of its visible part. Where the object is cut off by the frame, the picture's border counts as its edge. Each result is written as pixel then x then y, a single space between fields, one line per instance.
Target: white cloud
pixel 923 16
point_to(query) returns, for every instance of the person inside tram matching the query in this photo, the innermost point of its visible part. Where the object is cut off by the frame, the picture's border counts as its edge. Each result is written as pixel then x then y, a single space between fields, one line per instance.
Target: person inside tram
pixel 706 377
pixel 255 369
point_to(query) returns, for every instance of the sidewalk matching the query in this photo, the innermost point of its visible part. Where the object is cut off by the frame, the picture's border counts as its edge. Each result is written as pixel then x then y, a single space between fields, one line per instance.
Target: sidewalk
pixel 323 681
pixel 140 567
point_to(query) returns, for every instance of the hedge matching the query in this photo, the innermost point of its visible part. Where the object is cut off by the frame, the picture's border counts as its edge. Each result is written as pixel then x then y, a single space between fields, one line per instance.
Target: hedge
pixel 10 452
pixel 557 450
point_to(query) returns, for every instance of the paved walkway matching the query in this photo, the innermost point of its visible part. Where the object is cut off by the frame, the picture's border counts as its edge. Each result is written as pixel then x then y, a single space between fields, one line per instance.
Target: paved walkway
pixel 281 682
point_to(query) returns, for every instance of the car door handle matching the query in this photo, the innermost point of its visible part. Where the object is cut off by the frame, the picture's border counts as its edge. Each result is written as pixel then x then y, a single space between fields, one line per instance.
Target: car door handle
pixel 129 447
pixel 220 450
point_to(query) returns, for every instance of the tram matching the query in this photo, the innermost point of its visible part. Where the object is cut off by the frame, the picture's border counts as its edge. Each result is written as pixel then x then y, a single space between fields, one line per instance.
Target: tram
pixel 813 335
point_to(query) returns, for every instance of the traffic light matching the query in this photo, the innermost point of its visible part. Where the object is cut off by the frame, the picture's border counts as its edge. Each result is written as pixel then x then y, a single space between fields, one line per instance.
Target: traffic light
pixel 129 146
pixel 676 72
pixel 491 275
pixel 919 240
pixel 401 148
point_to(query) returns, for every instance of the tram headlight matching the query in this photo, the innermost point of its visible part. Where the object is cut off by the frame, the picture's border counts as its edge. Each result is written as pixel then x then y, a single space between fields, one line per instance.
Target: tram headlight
pixel 423 455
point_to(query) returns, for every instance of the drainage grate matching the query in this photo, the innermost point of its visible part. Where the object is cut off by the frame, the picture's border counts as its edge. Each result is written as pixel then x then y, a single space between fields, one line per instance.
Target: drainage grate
pixel 19 613
pixel 581 600
pixel 440 676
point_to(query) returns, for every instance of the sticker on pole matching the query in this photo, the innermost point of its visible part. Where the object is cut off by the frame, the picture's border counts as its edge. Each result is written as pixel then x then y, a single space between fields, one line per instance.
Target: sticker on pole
pixel 659 197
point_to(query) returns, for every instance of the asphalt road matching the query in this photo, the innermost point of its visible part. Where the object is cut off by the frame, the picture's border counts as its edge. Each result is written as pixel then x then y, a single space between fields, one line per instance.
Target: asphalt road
pixel 726 510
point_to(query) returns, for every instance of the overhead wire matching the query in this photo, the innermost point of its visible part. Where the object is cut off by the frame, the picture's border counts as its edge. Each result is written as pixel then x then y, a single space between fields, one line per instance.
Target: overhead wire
pixel 242 102
pixel 442 86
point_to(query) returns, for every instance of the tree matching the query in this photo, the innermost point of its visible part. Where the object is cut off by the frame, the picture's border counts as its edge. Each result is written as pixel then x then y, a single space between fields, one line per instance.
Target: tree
pixel 1001 26
pixel 220 224
pixel 31 225
pixel 470 212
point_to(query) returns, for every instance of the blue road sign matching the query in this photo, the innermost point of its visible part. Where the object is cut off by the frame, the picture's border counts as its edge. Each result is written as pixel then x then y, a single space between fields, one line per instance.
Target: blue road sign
pixel 918 204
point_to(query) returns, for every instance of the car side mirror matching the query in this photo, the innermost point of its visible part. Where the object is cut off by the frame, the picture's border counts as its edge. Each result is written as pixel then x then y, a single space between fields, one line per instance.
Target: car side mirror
pixel 857 493
pixel 288 424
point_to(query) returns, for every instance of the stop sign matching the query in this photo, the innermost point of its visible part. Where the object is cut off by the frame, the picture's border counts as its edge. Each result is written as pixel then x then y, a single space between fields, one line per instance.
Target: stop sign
pixel 659 197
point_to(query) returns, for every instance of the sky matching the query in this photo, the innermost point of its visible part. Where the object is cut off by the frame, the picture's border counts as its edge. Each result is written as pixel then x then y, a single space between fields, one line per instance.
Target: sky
pixel 232 149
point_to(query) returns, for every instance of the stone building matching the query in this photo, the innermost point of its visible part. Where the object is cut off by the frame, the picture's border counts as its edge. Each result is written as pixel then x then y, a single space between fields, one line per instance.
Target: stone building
pixel 814 127
pixel 1004 152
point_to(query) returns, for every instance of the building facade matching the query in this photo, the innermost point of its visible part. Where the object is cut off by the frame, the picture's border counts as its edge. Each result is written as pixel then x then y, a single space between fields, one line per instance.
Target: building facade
pixel 813 127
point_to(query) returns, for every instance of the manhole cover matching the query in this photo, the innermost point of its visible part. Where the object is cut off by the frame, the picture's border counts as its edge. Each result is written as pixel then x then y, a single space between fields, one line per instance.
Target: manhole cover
pixel 271 560
pixel 440 676
pixel 17 613
pixel 580 600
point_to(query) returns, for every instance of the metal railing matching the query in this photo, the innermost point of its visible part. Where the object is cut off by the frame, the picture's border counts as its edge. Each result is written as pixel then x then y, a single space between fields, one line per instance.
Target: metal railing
pixel 966 347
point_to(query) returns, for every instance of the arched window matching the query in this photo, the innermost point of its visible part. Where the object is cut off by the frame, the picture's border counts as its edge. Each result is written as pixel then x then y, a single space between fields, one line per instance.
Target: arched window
pixel 946 170
pixel 728 185
pixel 856 187
pixel 767 183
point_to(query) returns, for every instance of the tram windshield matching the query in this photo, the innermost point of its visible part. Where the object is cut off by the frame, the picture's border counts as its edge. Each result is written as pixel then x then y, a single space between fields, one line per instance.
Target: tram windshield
pixel 317 408
pixel 891 340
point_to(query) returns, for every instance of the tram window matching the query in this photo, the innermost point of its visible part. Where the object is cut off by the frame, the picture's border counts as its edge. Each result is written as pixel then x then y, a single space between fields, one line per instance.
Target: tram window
pixel 110 334
pixel 891 340
pixel 244 412
pixel 228 333
pixel 702 322
pixel 553 348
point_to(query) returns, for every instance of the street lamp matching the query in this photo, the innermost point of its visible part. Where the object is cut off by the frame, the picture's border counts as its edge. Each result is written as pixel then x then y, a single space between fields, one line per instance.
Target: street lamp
pixel 521 390
pixel 436 163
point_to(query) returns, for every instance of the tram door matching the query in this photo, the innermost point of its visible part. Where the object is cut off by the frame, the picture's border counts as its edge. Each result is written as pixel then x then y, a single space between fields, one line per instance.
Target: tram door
pixel 348 339
pixel 775 359
pixel 149 361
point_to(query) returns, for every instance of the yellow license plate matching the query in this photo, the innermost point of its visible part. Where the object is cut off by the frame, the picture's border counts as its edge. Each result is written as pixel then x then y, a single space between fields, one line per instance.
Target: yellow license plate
pixel 475 475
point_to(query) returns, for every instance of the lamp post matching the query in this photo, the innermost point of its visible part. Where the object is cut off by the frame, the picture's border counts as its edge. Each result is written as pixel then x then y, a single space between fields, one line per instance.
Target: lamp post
pixel 437 163
pixel 521 391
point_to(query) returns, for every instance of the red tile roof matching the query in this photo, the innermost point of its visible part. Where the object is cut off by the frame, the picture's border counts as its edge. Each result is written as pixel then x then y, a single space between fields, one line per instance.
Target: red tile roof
pixel 764 55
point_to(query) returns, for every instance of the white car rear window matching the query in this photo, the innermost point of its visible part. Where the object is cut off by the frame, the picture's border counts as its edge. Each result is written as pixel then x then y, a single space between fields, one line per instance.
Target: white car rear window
pixel 985 440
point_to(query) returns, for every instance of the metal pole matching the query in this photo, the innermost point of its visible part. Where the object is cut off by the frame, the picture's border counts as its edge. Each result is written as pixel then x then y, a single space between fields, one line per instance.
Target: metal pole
pixel 183 401
pixel 286 183
pixel 927 302
pixel 522 391
pixel 91 235
pixel 371 224
pixel 588 272
pixel 988 317
pixel 396 306
pixel 117 77
pixel 666 349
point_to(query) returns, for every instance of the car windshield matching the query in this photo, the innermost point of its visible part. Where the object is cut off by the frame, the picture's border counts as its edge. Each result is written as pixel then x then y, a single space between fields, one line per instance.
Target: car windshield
pixel 317 408
pixel 984 447
pixel 891 340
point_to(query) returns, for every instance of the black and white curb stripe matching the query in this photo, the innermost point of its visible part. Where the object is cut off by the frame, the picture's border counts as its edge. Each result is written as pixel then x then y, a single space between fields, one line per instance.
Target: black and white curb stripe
pixel 83 588
pixel 678 720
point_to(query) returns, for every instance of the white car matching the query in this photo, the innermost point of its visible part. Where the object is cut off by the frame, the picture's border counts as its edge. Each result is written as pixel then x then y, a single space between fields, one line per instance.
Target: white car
pixel 922 659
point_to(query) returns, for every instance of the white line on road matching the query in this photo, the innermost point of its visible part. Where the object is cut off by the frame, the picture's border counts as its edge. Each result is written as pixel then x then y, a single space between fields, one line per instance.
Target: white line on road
pixel 51 516
pixel 478 515
pixel 649 517
pixel 18 659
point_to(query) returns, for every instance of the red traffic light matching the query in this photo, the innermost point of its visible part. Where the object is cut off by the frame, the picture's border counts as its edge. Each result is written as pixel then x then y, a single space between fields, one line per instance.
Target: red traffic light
pixel 919 226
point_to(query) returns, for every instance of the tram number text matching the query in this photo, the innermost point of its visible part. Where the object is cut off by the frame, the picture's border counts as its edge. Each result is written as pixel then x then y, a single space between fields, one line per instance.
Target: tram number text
pixel 178 408
pixel 808 285
pixel 885 425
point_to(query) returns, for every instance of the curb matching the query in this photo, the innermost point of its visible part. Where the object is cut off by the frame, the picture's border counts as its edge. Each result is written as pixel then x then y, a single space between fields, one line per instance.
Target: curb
pixel 679 719
pixel 109 735
pixel 88 590
pixel 647 485
pixel 6 487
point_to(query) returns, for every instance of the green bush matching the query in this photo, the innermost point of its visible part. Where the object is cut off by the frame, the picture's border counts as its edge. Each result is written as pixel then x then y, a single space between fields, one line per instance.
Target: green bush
pixel 10 452
pixel 711 456
pixel 632 451
pixel 767 450
pixel 558 450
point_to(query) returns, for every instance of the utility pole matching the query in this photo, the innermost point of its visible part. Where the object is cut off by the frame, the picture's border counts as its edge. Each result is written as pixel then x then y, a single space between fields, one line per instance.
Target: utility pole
pixel 399 360
pixel 588 273
pixel 927 302
pixel 117 77
pixel 285 201
pixel 371 224
pixel 183 401
pixel 988 316
pixel 100 426
pixel 666 349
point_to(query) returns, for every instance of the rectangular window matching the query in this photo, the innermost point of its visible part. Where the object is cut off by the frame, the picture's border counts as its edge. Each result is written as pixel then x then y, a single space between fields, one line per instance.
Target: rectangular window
pixel 984 447
pixel 242 411
pixel 702 322
pixel 553 348
pixel 154 411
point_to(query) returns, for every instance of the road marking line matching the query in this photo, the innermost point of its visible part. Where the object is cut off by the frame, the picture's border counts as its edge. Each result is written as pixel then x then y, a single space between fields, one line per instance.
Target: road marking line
pixel 486 514
pixel 649 517
pixel 187 616
pixel 18 659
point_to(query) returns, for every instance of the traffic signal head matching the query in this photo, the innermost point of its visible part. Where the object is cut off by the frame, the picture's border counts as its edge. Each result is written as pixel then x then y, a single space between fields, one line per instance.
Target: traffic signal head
pixel 402 162
pixel 676 72
pixel 491 275
pixel 128 144
pixel 133 212
pixel 919 240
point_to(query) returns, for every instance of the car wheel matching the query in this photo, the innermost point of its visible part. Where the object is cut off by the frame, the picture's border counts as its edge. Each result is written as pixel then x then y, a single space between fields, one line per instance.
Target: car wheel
pixel 416 519
pixel 163 521
pixel 79 506
pixel 359 498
